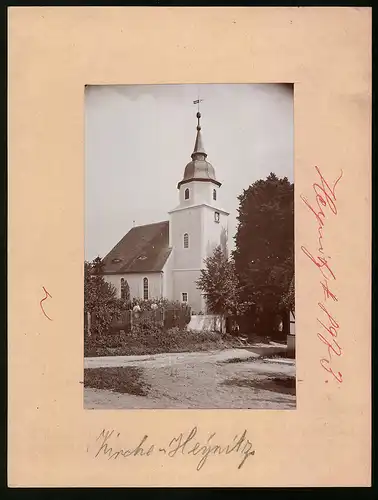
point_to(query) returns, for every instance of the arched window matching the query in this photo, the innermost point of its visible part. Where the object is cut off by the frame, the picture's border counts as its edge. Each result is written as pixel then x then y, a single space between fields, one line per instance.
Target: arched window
pixel 187 193
pixel 214 194
pixel 145 288
pixel 186 240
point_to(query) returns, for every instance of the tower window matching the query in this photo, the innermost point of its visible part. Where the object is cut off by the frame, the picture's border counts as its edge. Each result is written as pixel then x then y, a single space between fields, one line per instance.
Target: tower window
pixel 187 193
pixel 214 194
pixel 145 288
pixel 186 240
pixel 184 297
pixel 216 216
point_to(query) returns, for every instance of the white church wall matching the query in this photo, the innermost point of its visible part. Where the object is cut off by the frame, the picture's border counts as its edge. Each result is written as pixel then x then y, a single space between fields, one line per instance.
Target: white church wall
pixel 167 278
pixel 181 222
pixel 199 192
pixel 212 233
pixel 135 281
pixel 184 282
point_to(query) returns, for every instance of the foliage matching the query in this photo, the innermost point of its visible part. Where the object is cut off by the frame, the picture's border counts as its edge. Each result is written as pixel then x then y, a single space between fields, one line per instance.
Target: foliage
pixel 288 299
pixel 162 303
pixel 264 253
pixel 100 298
pixel 175 313
pixel 219 284
pixel 153 340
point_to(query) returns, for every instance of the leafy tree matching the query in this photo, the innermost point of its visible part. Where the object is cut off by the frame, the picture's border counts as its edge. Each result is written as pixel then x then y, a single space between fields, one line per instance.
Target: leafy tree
pixel 288 300
pixel 125 291
pixel 219 284
pixel 100 298
pixel 264 253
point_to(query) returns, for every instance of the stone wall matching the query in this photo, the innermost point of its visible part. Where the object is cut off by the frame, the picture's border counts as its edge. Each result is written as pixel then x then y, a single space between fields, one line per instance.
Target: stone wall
pixel 206 322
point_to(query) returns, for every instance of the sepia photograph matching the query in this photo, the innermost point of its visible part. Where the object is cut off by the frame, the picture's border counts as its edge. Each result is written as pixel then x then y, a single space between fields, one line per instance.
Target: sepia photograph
pixel 189 287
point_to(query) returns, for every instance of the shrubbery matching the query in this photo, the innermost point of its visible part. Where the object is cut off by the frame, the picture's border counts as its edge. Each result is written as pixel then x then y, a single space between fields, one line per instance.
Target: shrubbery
pixel 163 312
pixel 152 339
pixel 100 300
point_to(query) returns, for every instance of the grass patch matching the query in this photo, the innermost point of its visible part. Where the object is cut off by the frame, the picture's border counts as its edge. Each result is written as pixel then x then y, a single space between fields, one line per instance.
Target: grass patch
pixel 239 360
pixel 126 380
pixel 277 355
pixel 284 385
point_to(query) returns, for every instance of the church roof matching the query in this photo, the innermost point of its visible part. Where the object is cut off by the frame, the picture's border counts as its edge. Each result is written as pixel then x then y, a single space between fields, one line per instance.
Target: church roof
pixel 199 169
pixel 143 249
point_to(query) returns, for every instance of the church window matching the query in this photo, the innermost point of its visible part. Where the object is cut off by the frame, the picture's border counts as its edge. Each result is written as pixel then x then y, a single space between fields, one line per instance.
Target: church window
pixel 184 297
pixel 145 288
pixel 186 240
pixel 214 194
pixel 123 290
pixel 187 193
pixel 216 216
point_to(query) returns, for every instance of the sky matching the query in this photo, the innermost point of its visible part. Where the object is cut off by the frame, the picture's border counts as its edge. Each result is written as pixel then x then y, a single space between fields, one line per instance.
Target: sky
pixel 139 138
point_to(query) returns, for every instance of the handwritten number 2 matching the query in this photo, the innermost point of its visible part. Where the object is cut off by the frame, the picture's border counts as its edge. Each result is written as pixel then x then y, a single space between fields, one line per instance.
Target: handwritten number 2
pixel 44 298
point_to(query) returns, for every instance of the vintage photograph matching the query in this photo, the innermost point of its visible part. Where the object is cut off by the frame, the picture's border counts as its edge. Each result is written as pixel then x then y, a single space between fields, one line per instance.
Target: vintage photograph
pixel 189 297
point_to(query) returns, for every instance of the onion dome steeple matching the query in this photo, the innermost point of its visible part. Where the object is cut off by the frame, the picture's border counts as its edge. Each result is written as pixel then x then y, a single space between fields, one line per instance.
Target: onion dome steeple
pixel 199 169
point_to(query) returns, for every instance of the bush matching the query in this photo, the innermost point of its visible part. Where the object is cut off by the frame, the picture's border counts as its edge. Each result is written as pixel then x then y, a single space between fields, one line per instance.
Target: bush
pixel 100 300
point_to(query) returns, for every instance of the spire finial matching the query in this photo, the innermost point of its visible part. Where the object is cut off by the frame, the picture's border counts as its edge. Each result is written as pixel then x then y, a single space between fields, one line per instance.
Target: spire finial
pixel 199 152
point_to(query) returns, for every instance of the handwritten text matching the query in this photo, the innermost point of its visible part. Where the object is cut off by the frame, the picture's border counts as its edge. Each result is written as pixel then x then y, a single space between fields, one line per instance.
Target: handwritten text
pixel 109 444
pixel 323 206
pixel 44 298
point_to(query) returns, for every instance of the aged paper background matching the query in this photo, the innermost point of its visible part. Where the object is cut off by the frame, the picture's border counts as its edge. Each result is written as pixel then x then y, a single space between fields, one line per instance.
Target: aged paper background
pixel 53 53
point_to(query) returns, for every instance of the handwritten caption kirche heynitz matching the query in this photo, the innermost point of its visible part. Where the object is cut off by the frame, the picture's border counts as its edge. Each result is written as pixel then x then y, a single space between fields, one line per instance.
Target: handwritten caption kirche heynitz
pixel 111 446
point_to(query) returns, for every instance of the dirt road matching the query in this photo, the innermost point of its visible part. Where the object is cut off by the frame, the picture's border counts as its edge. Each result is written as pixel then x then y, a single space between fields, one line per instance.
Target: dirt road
pixel 233 378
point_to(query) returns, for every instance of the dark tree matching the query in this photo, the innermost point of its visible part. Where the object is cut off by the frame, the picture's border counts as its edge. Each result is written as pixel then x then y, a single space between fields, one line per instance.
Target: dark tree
pixel 264 251
pixel 100 298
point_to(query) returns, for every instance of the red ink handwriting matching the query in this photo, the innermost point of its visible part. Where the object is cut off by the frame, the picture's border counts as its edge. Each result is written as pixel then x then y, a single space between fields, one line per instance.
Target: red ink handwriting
pixel 327 292
pixel 325 198
pixel 320 263
pixel 44 298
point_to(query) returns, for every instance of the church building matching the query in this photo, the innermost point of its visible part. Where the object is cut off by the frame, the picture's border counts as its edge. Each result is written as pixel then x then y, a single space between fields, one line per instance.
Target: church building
pixel 164 259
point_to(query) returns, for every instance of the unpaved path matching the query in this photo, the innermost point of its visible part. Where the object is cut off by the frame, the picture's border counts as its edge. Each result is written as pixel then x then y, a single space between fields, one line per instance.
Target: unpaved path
pixel 200 380
pixel 159 360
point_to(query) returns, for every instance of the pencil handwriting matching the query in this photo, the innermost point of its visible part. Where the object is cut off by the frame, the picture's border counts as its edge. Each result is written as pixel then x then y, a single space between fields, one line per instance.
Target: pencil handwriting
pixel 109 444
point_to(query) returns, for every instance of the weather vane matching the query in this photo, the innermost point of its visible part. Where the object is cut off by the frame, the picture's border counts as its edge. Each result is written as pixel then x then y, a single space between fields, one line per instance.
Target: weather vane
pixel 197 102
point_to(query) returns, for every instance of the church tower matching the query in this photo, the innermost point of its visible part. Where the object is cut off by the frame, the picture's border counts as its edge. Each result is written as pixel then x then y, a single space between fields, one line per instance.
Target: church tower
pixel 196 226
